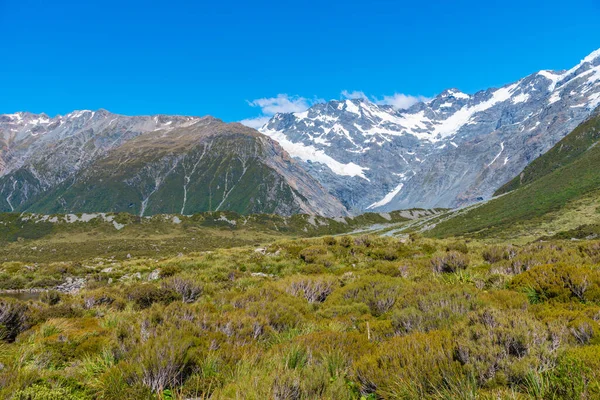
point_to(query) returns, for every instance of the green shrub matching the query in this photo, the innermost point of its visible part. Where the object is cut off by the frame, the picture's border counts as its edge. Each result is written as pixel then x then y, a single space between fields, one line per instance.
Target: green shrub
pixel 461 247
pixel 311 254
pixel 14 319
pixel 51 297
pixel 560 282
pixel 164 362
pixel 43 392
pixel 144 295
pixel 494 254
pixel 379 293
pixel 413 366
pixel 187 288
pixel 314 290
pixel 329 241
pixel 450 262
pixel 169 270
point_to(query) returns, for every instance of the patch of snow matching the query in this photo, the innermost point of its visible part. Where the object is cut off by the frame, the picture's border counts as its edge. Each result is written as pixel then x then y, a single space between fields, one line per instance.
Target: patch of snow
pixel 553 77
pixel 352 108
pixel 461 117
pixel 459 95
pixel 312 154
pixel 591 57
pixel 554 98
pixel 535 126
pixel 520 98
pixel 594 100
pixel 14 187
pixel 388 197
pixel 15 116
pixel 498 155
pixel 301 115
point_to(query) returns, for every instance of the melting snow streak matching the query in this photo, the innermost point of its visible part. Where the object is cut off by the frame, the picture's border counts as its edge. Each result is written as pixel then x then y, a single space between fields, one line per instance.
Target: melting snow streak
pixel 388 197
pixel 498 155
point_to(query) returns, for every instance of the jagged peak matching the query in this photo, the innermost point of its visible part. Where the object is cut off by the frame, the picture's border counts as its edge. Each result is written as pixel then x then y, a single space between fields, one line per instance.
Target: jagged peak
pixel 594 55
pixel 453 92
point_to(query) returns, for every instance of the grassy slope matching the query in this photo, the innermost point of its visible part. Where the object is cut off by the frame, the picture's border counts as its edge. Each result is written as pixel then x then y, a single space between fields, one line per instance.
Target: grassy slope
pixel 120 181
pixel 568 150
pixel 560 180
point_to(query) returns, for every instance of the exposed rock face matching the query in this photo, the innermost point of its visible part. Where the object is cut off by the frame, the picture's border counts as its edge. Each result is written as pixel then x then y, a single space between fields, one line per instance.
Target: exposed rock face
pixel 339 156
pixel 101 162
pixel 452 150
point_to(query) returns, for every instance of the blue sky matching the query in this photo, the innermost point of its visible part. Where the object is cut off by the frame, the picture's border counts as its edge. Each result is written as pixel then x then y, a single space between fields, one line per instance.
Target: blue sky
pixel 240 59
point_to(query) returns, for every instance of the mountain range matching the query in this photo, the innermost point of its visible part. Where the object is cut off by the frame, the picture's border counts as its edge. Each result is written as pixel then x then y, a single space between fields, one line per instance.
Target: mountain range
pixel 97 161
pixel 452 150
pixel 556 196
pixel 336 158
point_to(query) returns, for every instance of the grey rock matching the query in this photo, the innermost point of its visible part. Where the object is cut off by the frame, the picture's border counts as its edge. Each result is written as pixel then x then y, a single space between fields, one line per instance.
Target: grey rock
pixel 154 275
pixel 71 285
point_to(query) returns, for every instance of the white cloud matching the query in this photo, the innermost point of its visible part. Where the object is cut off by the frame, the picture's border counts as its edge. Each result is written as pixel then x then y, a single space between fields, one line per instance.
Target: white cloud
pixel 284 103
pixel 402 101
pixel 255 123
pixel 354 95
pixel 399 101
pixel 281 104
pixel 270 106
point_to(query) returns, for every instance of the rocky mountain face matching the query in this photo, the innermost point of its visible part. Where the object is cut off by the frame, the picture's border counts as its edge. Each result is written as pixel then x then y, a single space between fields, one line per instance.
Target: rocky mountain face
pixel 101 162
pixel 338 157
pixel 453 150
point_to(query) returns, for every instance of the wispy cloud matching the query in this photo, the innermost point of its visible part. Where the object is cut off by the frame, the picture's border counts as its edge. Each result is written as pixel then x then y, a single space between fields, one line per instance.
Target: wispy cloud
pixel 270 106
pixel 354 95
pixel 283 103
pixel 402 101
pixel 255 123
pixel 399 101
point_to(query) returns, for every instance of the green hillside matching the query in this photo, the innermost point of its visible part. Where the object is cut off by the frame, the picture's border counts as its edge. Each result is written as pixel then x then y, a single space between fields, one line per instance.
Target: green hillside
pixel 209 166
pixel 567 178
pixel 568 150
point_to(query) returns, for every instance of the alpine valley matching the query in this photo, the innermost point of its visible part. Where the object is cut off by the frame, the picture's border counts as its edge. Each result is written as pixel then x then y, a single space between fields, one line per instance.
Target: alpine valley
pixel 337 158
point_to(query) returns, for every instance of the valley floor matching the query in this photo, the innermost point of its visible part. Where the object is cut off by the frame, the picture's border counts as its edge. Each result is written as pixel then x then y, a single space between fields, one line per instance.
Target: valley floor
pixel 334 317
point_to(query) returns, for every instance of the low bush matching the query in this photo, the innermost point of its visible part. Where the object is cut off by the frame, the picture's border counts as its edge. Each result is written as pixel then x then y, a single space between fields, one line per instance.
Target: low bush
pixel 143 295
pixel 186 287
pixel 14 319
pixel 314 290
pixel 449 262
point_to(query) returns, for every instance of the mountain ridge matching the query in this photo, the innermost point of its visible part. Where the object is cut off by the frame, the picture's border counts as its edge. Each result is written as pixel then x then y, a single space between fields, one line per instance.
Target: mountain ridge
pixel 452 150
pixel 100 162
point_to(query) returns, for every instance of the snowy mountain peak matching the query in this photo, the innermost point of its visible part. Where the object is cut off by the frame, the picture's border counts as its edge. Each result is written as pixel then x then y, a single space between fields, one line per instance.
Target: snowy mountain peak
pixel 457 94
pixel 593 57
pixel 453 149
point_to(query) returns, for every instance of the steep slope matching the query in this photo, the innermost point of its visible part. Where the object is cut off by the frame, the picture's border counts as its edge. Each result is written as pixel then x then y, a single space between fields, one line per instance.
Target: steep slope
pixel 173 166
pixel 38 153
pixel 565 179
pixel 564 152
pixel 453 150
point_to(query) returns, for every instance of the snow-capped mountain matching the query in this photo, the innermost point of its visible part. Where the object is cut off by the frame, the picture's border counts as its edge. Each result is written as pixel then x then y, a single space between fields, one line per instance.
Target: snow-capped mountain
pixel 452 150
pixel 96 161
